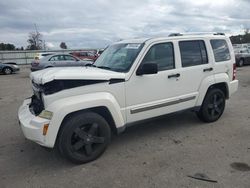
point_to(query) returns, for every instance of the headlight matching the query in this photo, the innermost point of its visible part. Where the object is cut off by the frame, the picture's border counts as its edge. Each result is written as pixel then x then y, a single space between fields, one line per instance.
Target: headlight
pixel 46 114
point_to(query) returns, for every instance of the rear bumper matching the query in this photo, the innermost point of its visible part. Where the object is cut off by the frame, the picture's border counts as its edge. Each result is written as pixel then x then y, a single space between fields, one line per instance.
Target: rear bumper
pixel 233 87
pixel 31 125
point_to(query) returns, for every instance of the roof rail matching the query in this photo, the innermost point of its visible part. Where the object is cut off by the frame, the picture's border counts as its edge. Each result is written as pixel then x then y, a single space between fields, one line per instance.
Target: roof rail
pixel 175 34
pixel 219 33
pixel 195 33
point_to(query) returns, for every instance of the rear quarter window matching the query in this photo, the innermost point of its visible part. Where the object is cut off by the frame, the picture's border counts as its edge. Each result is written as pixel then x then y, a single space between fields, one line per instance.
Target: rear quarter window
pixel 220 49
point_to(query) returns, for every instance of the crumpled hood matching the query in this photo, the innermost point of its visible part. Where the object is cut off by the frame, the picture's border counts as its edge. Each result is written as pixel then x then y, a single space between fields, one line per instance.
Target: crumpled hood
pixel 74 73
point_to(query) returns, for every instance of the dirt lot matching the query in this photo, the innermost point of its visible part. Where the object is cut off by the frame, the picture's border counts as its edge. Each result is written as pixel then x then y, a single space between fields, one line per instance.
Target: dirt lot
pixel 160 153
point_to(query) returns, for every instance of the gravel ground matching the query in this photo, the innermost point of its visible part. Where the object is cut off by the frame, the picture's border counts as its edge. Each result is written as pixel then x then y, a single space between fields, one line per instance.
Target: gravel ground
pixel 159 153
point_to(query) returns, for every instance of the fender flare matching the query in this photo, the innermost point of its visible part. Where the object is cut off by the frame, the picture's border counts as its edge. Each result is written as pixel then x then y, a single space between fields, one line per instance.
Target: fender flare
pixel 62 107
pixel 208 82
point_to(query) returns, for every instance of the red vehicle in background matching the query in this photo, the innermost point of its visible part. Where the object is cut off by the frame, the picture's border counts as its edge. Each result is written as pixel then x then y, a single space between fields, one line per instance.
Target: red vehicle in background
pixel 86 55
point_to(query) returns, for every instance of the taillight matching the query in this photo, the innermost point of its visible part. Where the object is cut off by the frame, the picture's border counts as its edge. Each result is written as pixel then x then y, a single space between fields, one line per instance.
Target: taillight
pixel 234 71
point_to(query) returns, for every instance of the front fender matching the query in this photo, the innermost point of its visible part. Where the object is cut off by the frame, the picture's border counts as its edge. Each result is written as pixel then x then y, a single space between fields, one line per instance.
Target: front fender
pixel 62 107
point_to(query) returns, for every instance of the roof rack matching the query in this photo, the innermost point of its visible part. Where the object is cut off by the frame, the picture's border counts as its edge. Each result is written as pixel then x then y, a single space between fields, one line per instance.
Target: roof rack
pixel 175 34
pixel 197 33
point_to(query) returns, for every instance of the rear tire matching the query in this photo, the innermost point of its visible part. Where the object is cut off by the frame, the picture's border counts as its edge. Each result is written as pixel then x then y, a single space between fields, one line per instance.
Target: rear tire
pixel 241 63
pixel 84 137
pixel 7 70
pixel 213 106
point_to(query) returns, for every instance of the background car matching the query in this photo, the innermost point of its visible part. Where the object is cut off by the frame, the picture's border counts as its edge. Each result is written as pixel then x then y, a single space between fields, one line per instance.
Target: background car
pixel 58 60
pixel 39 56
pixel 8 68
pixel 242 57
pixel 86 55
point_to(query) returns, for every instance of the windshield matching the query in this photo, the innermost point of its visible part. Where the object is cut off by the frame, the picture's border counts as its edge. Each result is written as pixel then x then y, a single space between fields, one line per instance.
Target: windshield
pixel 119 57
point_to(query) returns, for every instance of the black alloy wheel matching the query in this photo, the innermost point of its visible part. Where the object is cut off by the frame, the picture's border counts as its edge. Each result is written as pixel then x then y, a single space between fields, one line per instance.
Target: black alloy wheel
pixel 7 70
pixel 213 106
pixel 84 137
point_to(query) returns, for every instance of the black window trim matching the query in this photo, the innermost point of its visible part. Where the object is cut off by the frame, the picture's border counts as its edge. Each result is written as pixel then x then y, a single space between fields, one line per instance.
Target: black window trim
pixel 230 58
pixel 199 40
pixel 158 44
pixel 52 57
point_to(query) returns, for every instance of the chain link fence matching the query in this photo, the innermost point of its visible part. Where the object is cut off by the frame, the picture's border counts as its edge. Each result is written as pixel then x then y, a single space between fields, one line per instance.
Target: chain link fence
pixel 25 57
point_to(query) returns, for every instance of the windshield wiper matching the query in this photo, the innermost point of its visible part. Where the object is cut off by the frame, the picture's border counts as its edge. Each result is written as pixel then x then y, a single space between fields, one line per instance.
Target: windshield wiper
pixel 104 67
pixel 101 67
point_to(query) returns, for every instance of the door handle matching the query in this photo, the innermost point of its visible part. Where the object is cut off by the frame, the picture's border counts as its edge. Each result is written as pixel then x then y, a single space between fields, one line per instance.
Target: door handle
pixel 174 75
pixel 208 69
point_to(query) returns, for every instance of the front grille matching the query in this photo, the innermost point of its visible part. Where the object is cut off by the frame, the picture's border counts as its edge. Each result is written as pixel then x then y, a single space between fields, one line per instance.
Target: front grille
pixel 36 106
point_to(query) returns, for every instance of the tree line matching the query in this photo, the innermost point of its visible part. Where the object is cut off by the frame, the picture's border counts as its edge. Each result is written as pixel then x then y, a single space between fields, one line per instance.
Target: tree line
pixel 241 39
pixel 35 42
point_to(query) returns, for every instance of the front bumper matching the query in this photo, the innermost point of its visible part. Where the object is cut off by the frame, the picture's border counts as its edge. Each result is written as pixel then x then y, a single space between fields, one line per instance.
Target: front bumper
pixel 233 87
pixel 32 126
pixel 16 69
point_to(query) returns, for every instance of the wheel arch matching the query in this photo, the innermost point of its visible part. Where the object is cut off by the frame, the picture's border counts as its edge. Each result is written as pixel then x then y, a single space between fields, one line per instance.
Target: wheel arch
pixel 222 86
pixel 243 59
pixel 219 81
pixel 102 103
pixel 101 110
pixel 6 68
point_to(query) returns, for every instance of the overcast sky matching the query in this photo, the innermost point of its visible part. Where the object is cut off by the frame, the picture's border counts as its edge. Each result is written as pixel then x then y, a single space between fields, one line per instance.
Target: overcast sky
pixel 97 23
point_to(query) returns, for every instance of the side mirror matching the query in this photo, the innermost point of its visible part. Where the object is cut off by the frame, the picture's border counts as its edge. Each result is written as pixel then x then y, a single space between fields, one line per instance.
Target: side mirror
pixel 147 68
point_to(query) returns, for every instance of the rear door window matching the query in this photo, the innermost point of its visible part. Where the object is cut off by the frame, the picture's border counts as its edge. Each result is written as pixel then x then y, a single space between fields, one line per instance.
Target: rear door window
pixel 193 53
pixel 220 49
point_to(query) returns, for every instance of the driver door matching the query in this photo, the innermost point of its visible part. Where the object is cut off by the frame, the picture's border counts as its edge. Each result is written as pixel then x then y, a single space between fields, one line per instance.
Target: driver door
pixel 152 95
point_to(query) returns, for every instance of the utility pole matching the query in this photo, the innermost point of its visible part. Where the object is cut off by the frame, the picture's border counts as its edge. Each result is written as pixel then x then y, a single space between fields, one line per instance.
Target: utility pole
pixel 36 28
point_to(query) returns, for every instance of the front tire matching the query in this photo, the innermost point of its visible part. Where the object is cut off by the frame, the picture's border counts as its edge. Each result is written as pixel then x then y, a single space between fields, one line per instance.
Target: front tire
pixel 7 70
pixel 213 106
pixel 84 137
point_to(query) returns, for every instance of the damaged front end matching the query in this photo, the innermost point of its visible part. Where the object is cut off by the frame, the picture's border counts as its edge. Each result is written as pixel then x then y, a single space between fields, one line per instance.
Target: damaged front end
pixel 37 105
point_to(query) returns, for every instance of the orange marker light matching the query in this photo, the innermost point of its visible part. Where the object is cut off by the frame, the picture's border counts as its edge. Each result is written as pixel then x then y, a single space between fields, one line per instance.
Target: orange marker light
pixel 45 129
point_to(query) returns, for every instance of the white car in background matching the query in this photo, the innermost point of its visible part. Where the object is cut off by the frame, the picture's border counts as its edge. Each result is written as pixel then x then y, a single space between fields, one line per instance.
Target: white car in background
pixel 58 60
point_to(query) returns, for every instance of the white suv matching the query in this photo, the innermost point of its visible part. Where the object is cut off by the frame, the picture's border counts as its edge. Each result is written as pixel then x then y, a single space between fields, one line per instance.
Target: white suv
pixel 77 108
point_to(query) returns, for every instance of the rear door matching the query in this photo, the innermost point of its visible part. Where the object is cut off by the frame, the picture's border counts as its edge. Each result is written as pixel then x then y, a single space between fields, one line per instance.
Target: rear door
pixel 195 66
